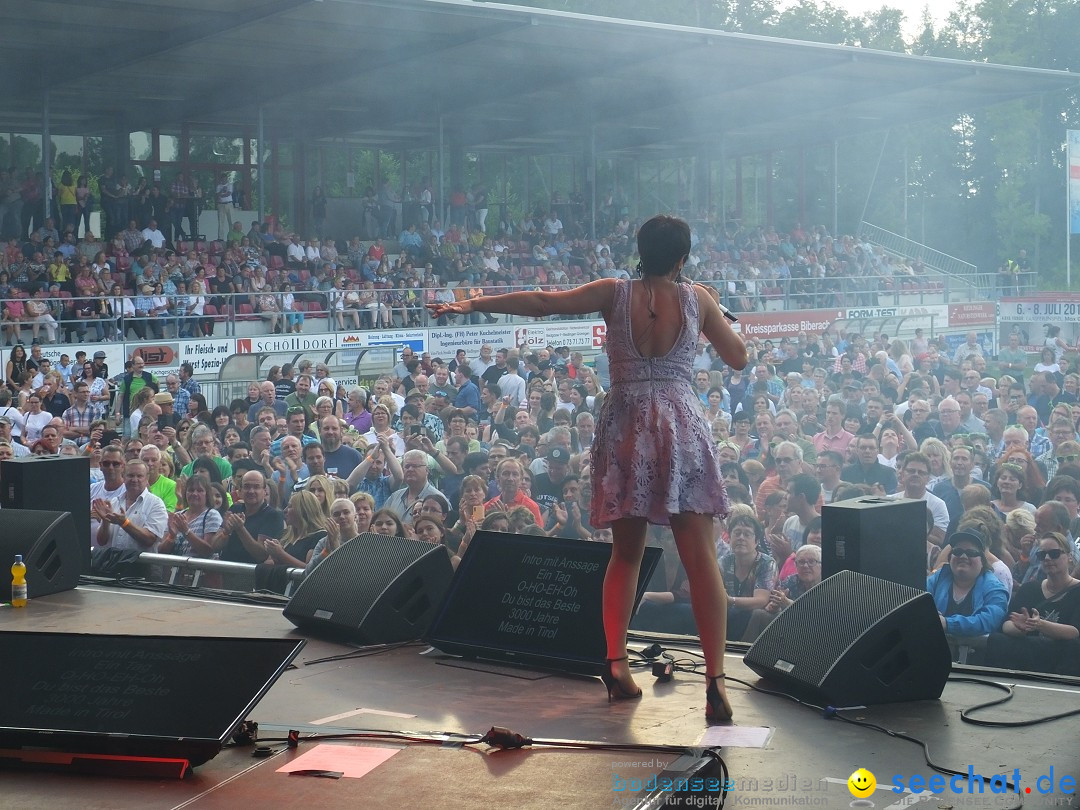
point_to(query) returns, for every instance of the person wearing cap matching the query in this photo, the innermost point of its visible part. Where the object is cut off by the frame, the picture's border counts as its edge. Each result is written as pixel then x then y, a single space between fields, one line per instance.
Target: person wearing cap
pixel 168 416
pixel 180 397
pixel 101 368
pixel 547 486
pixel 970 599
pixel 442 396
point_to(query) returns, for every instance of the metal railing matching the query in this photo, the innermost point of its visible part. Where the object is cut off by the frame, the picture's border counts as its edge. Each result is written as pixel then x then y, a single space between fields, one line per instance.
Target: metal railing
pixel 386 309
pixel 238 572
pixel 943 263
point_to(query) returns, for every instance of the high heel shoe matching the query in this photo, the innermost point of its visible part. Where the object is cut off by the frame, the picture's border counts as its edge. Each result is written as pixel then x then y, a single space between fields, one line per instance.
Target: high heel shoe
pixel 615 688
pixel 717 708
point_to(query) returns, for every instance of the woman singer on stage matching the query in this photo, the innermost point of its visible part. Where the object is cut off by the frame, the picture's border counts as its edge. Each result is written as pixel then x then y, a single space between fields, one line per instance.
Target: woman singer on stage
pixel 653 458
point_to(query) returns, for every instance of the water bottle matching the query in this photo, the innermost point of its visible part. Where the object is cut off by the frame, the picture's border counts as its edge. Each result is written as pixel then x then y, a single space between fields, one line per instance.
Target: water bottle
pixel 18 582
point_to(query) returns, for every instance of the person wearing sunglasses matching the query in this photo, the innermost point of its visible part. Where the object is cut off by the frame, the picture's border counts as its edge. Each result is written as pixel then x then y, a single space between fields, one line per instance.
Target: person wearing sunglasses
pixel 970 599
pixel 1042 632
pixel 112 485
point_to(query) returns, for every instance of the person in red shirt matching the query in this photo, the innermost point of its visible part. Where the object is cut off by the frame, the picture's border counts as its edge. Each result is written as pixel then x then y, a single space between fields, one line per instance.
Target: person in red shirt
pixel 508 477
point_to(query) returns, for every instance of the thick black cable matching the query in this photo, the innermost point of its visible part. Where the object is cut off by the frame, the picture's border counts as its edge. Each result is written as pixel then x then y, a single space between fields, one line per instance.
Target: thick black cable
pixel 965 714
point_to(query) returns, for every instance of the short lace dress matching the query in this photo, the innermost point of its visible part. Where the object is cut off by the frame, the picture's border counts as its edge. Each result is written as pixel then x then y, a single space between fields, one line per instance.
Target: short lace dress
pixel 653 454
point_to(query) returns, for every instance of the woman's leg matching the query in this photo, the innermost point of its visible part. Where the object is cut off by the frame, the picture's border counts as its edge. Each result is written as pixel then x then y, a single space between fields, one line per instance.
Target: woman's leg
pixel 695 539
pixel 620 587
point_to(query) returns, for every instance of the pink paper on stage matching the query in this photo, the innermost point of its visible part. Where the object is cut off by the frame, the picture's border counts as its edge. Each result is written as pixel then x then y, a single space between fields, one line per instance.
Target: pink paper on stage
pixel 352 760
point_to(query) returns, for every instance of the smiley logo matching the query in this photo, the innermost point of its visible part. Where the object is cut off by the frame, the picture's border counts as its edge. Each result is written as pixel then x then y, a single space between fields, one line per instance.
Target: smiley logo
pixel 861 783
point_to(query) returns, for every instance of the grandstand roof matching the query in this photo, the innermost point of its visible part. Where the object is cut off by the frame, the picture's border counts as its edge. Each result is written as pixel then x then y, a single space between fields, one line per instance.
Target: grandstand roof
pixel 379 73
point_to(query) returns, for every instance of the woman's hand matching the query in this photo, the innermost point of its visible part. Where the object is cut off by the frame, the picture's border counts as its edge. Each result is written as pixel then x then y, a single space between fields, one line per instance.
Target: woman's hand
pixel 437 310
pixel 778 600
pixel 779 545
pixel 274 550
pixel 178 523
pixel 1026 621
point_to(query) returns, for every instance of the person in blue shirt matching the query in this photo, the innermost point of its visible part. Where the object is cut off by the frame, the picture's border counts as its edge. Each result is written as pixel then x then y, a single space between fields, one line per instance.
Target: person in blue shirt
pixel 468 394
pixel 970 599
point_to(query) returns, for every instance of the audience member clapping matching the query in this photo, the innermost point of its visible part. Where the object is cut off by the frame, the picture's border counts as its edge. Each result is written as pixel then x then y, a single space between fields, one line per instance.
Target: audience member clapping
pixel 1042 632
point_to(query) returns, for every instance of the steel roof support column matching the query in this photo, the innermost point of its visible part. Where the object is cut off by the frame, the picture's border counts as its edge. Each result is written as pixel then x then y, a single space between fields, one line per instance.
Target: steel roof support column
pixel 442 173
pixel 590 176
pixel 260 145
pixel 835 187
pixel 46 161
pixel 702 179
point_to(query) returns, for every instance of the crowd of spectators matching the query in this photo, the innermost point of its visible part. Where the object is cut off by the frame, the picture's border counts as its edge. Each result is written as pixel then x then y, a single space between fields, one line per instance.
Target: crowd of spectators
pixel 439 447
pixel 150 274
pixel 501 440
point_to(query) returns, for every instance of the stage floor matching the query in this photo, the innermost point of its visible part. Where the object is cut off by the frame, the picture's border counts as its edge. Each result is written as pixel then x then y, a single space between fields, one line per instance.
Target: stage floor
pixel 805 760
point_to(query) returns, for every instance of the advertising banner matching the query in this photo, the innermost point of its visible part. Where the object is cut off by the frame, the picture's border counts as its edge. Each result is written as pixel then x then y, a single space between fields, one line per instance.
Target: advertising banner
pixel 206 355
pixel 1032 316
pixel 770 325
pixel 974 313
pixel 444 341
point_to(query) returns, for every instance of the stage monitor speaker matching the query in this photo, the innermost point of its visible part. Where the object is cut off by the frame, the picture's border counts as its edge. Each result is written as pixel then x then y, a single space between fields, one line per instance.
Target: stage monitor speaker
pixel 854 640
pixel 532 600
pixel 53 483
pixel 50 547
pixel 373 589
pixel 875 536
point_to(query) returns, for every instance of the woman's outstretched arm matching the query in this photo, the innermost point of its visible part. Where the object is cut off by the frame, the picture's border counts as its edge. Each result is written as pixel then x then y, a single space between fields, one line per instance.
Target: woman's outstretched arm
pixel 595 296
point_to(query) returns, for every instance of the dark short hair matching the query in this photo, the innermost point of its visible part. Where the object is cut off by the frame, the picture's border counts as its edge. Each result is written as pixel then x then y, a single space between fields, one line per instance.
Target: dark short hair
pixel 662 241
pixel 1062 483
pixel 312 445
pixel 245 465
pixel 806 485
pixel 474 460
pixel 744 519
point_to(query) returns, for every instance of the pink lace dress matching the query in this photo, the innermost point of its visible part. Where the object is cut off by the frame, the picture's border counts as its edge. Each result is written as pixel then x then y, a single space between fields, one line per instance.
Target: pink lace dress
pixel 653 454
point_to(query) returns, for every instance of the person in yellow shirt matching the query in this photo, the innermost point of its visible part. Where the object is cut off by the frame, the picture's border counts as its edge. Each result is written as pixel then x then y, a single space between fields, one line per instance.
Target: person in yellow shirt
pixel 65 196
pixel 59 272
